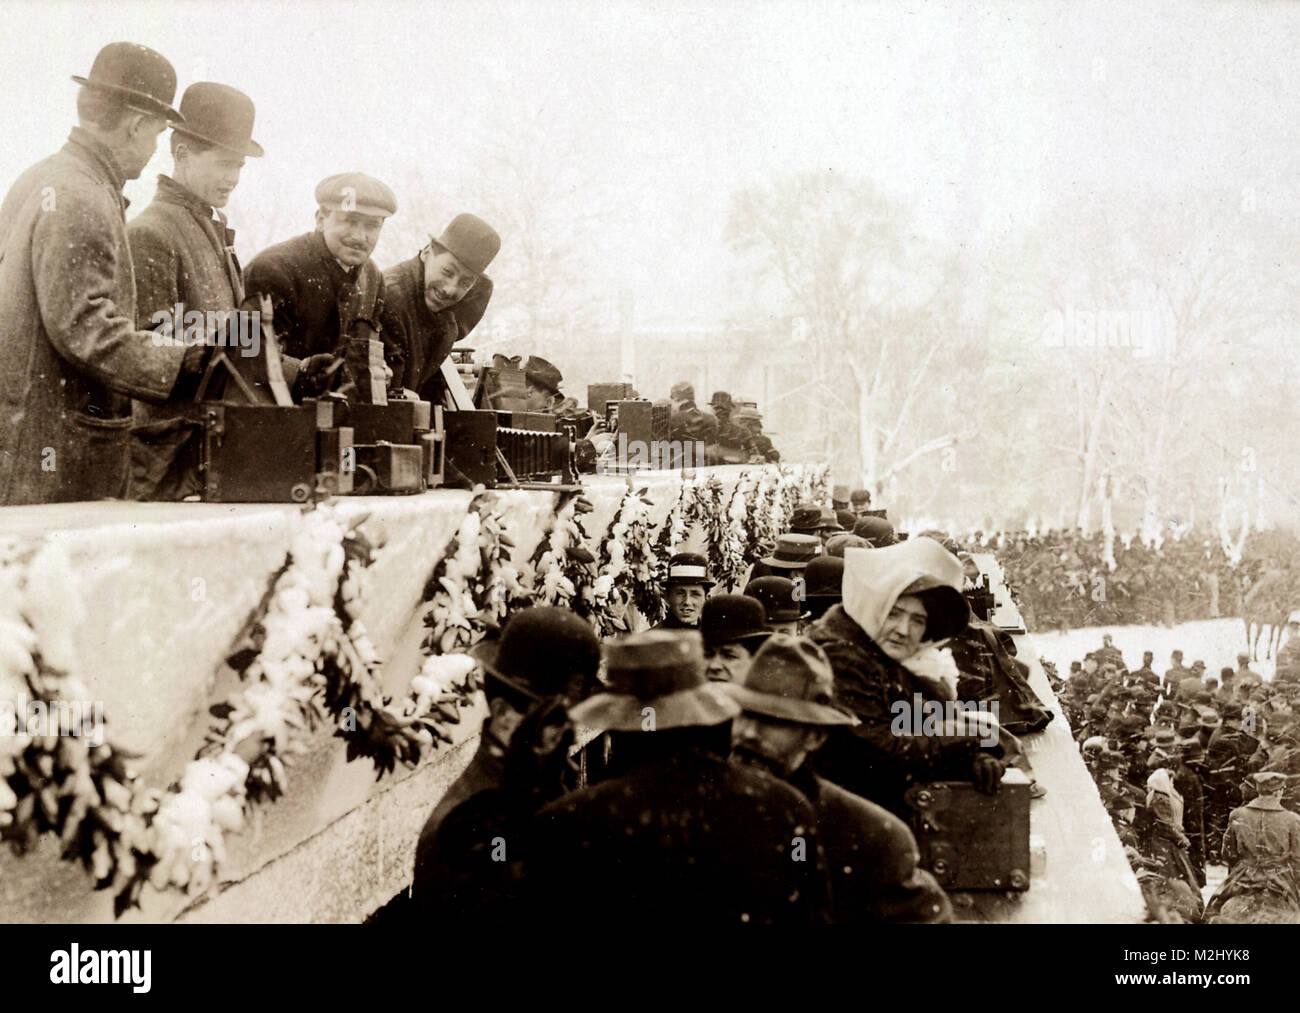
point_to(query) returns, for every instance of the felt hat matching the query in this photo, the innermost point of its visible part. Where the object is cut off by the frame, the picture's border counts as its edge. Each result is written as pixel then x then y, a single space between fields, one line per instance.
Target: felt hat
pixel 543 651
pixel 143 78
pixel 794 552
pixel 541 373
pixel 777 596
pixel 790 679
pixel 220 115
pixel 655 682
pixel 470 240
pixel 732 619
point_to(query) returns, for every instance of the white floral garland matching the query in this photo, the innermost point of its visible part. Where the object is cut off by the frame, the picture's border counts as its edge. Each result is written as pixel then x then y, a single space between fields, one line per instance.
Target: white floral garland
pixel 127 833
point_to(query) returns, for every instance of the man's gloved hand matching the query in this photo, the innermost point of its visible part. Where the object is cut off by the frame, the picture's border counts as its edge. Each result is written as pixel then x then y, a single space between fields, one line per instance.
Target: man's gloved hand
pixel 314 376
pixel 987 773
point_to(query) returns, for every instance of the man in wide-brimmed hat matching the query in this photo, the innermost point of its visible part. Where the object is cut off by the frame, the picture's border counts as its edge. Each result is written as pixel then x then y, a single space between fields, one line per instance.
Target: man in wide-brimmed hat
pixel 896 600
pixel 545 659
pixel 72 349
pixel 187 278
pixel 685 590
pixel 871 854
pixel 325 290
pixel 791 556
pixel 734 627
pixel 678 836
pixel 434 300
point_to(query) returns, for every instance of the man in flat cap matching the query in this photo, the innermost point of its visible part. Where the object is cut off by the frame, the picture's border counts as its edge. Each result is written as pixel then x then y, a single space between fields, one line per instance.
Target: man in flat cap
pixel 678 836
pixel 186 270
pixel 871 854
pixel 545 657
pixel 325 290
pixel 68 331
pixel 1262 849
pixel 434 300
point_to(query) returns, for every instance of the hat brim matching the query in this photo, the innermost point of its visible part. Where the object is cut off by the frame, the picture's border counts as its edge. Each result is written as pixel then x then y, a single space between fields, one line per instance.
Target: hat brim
pixel 804 712
pixel 138 100
pixel 251 148
pixel 702 706
pixel 757 640
pixel 485 654
pixel 785 564
pixel 373 210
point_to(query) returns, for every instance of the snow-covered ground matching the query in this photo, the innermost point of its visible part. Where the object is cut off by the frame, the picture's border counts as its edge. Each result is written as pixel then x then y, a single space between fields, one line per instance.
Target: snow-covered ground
pixel 1217 642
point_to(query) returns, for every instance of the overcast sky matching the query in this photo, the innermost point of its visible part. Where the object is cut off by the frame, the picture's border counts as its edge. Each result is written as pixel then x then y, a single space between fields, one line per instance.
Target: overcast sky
pixel 980 116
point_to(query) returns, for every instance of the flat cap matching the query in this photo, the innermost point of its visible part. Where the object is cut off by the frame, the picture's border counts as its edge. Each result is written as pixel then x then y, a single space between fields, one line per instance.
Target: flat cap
pixel 355 191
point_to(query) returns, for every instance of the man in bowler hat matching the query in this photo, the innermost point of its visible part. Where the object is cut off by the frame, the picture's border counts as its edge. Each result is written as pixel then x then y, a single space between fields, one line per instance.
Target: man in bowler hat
pixel 871 854
pixel 546 657
pixel 68 331
pixel 676 835
pixel 434 300
pixel 185 264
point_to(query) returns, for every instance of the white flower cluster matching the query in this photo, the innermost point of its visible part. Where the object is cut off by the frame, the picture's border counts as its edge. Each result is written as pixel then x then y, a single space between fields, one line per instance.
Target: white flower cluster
pixel 556 587
pixel 454 606
pixel 190 825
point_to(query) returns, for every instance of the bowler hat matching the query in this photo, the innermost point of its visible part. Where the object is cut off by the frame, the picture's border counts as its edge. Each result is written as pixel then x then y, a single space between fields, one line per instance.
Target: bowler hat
pixel 824 582
pixel 790 679
pixel 860 497
pixel 541 373
pixel 688 568
pixel 682 391
pixel 145 79
pixel 220 115
pixel 470 240
pixel 794 552
pixel 721 398
pixel 876 530
pixel 847 519
pixel 806 518
pixel 356 192
pixel 656 682
pixel 776 595
pixel 543 651
pixel 733 619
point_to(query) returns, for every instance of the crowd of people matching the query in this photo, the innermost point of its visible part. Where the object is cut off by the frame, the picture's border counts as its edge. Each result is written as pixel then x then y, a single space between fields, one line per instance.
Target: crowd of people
pixel 1197 769
pixel 747 763
pixel 1062 579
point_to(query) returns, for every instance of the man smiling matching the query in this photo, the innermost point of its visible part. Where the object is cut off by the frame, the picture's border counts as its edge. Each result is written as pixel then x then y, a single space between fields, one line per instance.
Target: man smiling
pixel 323 284
pixel 436 298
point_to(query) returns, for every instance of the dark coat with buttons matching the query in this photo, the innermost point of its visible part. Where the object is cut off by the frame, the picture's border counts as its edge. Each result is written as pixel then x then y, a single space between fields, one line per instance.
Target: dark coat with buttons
pixel 314 301
pixel 417 341
pixel 73 356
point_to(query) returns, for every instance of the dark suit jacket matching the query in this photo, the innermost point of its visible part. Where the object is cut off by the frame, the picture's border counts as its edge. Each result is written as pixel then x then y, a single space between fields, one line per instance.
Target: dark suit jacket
pixel 314 300
pixel 417 341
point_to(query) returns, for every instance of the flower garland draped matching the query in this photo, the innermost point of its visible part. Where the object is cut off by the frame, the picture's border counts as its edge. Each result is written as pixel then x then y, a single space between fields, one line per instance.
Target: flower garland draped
pixel 305 654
